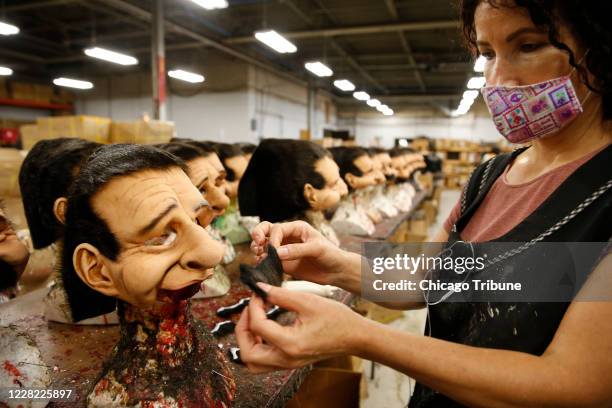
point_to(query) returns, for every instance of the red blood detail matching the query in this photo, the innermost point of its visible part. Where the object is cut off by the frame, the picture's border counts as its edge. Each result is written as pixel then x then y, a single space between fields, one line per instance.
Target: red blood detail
pixel 11 368
pixel 102 386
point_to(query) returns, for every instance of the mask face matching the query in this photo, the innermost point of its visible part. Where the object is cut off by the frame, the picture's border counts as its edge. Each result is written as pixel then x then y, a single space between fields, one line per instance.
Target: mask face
pixel 524 113
pixel 321 199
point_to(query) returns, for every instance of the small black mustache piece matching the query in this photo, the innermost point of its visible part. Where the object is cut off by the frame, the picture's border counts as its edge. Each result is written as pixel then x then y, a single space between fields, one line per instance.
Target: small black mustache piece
pixel 237 307
pixel 269 271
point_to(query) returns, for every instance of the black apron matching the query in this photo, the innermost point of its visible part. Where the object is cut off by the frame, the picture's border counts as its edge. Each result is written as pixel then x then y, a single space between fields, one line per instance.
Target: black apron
pixel 579 210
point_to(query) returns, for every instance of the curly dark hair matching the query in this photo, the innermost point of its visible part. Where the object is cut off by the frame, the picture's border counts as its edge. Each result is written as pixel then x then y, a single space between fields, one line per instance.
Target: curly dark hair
pixel 587 20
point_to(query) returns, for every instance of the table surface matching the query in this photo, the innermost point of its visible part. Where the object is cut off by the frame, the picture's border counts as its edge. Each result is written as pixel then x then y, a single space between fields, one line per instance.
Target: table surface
pixel 76 353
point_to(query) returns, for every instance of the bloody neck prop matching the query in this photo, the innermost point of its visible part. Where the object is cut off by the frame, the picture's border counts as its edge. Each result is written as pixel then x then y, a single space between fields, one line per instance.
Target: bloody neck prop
pixel 166 357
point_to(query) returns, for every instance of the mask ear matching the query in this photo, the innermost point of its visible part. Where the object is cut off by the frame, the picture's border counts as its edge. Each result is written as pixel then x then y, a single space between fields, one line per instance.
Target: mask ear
pixel 59 209
pixel 89 265
pixel 310 196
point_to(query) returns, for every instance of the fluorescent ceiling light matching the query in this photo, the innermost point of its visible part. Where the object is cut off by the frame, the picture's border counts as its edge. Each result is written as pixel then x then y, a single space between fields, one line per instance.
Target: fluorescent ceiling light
pixel 186 76
pixel 344 85
pixel 276 41
pixel 8 29
pixel 480 64
pixel 462 110
pixel 388 112
pixel 6 71
pixel 476 82
pixel 382 108
pixel 73 83
pixel 211 4
pixel 110 56
pixel 466 102
pixel 361 96
pixel 471 95
pixel 319 69
pixel 373 103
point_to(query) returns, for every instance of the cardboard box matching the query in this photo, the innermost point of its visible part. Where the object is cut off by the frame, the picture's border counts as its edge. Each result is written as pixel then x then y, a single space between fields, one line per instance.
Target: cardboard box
pixel 62 95
pixel 3 89
pixel 29 136
pixel 43 93
pixel 94 128
pixel 10 163
pixel 23 91
pixel 142 131
pixel 328 388
pixel 420 144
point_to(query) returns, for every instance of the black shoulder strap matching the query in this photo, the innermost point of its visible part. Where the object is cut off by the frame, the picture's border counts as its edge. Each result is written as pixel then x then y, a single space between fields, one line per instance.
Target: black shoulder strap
pixel 480 182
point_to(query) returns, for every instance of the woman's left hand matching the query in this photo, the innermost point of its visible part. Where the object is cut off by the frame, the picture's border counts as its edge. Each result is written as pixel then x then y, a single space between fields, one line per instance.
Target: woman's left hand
pixel 322 328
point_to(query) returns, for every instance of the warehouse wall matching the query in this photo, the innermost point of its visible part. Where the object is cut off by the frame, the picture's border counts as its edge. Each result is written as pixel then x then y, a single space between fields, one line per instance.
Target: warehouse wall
pixel 236 103
pixel 372 128
pixel 280 107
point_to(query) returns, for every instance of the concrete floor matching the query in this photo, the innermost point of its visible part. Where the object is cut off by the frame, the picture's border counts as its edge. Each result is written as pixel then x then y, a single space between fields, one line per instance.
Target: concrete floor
pixel 389 388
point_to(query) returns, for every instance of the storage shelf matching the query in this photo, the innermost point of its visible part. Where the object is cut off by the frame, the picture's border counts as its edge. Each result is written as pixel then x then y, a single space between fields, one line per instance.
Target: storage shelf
pixel 23 103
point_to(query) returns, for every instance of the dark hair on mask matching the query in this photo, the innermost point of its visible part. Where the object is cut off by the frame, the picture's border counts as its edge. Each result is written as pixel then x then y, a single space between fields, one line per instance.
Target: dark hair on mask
pixel 273 184
pixel 247 148
pixel 345 157
pixel 184 151
pixel 400 151
pixel 8 275
pixel 587 21
pixel 373 151
pixel 105 164
pixel 203 145
pixel 226 151
pixel 45 176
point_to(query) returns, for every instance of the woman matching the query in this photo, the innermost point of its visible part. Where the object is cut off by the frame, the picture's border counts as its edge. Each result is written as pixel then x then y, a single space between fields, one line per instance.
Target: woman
pixel 559 189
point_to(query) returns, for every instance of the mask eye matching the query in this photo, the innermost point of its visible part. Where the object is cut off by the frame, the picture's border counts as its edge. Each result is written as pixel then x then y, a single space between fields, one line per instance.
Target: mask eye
pixel 166 239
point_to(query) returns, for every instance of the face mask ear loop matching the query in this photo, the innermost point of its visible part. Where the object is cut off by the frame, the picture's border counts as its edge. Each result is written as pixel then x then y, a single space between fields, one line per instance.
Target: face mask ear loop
pixel 588 95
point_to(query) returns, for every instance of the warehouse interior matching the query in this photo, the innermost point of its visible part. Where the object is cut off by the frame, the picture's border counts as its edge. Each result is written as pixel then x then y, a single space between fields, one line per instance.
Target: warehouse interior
pixel 407 54
pixel 387 78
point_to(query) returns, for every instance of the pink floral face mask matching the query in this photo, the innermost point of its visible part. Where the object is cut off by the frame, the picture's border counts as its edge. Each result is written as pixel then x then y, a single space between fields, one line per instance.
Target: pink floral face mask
pixel 523 113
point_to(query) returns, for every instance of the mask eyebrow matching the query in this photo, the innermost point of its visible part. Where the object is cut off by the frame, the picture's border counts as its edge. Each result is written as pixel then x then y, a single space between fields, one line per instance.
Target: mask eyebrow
pixel 202 181
pixel 201 205
pixel 157 219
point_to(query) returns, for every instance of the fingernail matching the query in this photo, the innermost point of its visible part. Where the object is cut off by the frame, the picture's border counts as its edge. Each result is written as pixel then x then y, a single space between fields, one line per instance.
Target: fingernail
pixel 282 252
pixel 264 286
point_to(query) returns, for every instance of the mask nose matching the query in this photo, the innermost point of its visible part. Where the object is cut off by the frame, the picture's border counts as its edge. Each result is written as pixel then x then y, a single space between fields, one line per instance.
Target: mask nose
pixel 203 252
pixel 217 199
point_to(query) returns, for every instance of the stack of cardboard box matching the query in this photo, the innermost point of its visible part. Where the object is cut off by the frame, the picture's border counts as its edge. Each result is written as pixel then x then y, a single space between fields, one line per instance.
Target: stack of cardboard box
pixel 142 132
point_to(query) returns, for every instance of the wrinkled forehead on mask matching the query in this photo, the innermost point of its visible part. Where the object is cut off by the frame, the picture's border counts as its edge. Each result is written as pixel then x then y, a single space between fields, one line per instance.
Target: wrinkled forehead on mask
pixel 83 225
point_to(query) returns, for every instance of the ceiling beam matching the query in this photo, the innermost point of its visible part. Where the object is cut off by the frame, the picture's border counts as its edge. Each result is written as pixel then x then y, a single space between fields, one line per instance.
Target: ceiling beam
pixel 144 15
pixel 337 47
pixel 406 45
pixel 349 59
pixel 359 30
pixel 392 9
pixel 21 55
pixel 343 100
pixel 36 5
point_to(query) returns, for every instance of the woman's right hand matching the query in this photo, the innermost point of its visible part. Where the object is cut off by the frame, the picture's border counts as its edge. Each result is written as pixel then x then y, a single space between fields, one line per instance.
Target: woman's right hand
pixel 306 254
